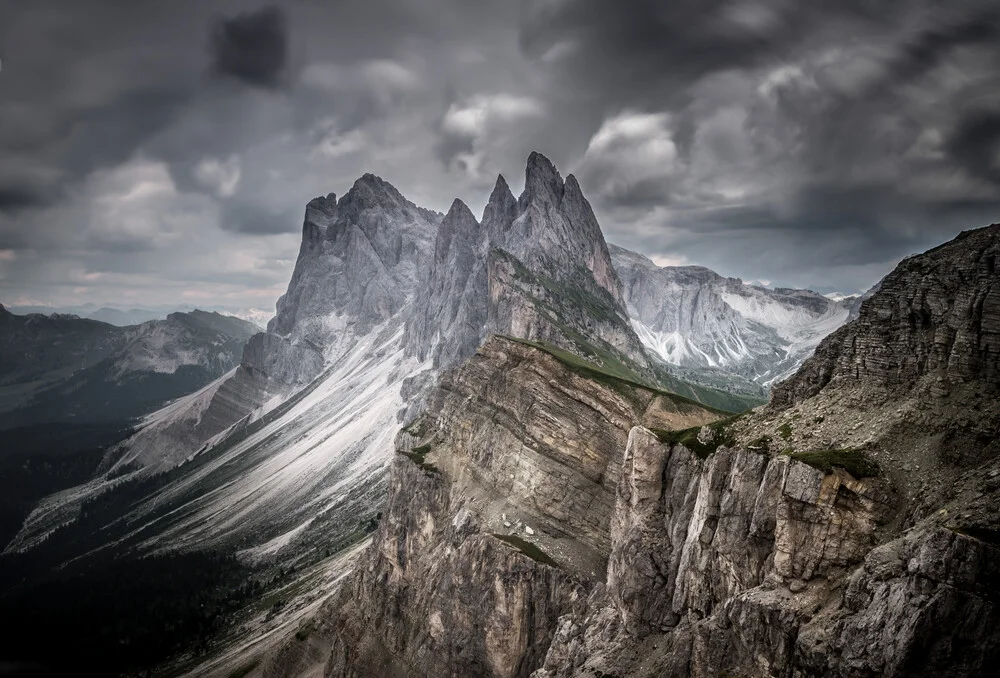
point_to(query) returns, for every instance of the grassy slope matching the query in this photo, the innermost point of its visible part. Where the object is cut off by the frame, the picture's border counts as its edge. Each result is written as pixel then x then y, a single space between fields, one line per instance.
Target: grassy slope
pixel 614 373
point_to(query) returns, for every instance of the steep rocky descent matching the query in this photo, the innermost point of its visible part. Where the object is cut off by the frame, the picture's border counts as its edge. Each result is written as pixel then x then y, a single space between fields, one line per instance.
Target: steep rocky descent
pixel 537 267
pixel 748 547
pixel 514 466
pixel 881 555
pixel 693 317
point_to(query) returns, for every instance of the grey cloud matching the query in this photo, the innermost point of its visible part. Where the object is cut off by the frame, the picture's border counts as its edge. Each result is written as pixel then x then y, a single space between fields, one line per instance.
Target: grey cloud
pixel 258 219
pixel 15 198
pixel 871 125
pixel 976 143
pixel 934 45
pixel 781 130
pixel 251 46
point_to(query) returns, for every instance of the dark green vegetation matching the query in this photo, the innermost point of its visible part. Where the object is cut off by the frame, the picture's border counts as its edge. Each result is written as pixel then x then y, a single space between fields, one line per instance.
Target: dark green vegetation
pixel 785 431
pixel 96 395
pixel 67 369
pixel 114 611
pixel 244 670
pixel 852 460
pixel 689 437
pixel 418 455
pixel 528 549
pixel 116 615
pixel 305 630
pixel 36 461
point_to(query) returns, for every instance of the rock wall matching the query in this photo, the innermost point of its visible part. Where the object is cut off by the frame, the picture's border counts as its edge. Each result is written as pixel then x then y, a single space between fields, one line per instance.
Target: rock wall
pixel 737 565
pixel 937 313
pixel 499 518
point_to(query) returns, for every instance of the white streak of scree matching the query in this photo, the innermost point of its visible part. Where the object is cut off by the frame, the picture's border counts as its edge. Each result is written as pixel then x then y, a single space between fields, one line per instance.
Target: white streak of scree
pixel 343 428
pixel 273 546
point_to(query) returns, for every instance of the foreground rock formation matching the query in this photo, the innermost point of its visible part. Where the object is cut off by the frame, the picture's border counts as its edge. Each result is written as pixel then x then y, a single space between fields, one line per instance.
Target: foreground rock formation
pixel 547 520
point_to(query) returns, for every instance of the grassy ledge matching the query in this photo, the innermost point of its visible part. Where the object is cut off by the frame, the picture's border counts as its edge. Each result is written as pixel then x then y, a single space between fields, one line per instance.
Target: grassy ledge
pixel 528 549
pixel 613 376
pixel 852 460
pixel 688 437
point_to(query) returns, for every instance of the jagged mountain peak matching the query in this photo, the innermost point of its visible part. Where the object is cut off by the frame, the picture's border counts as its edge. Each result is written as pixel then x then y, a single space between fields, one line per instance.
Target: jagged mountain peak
pixel 323 201
pixel 370 189
pixel 458 223
pixel 459 211
pixel 500 210
pixel 542 182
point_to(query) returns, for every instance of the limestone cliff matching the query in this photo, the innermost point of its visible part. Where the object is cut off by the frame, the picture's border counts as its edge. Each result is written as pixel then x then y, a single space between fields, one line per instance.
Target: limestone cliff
pixel 546 519
pixel 537 267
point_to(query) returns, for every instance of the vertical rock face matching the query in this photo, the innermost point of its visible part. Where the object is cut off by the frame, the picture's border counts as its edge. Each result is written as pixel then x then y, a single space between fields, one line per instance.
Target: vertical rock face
pixel 359 261
pixel 498 519
pixel 448 325
pixel 698 552
pixel 937 314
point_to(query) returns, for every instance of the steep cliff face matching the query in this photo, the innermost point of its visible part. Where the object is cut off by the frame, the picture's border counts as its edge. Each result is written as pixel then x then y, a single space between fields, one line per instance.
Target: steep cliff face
pixel 498 520
pixel 546 521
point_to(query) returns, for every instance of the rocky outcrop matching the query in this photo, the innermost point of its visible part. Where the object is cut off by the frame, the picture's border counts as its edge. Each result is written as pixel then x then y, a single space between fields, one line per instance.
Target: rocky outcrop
pixel 937 314
pixel 536 268
pixel 360 260
pixel 448 325
pixel 541 523
pixel 499 517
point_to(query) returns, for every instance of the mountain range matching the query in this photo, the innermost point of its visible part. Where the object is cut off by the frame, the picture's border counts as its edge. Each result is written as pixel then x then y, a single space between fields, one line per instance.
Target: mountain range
pixel 63 368
pixel 502 447
pixel 123 317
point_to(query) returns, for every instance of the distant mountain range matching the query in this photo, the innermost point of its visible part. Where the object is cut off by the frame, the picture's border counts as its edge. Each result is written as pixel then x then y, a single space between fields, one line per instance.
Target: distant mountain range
pixel 63 368
pixel 693 317
pixel 122 317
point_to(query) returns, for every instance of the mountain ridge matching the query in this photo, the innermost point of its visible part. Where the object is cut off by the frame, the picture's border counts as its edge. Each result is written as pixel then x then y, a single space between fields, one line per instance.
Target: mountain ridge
pixel 282 463
pixel 848 529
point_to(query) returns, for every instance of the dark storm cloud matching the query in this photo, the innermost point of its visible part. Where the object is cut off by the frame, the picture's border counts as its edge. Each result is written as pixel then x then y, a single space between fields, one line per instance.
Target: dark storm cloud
pixel 251 46
pixel 976 143
pixel 15 198
pixel 937 42
pixel 805 141
pixel 873 124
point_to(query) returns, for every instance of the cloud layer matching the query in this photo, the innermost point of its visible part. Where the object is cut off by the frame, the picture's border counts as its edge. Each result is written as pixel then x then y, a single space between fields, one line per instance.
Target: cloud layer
pixel 163 152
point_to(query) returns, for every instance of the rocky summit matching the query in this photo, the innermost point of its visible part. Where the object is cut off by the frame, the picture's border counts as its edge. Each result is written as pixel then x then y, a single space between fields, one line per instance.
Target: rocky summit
pixel 547 519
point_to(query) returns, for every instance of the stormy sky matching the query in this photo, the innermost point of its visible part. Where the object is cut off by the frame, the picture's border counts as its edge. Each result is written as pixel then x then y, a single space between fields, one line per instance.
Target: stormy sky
pixel 159 152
